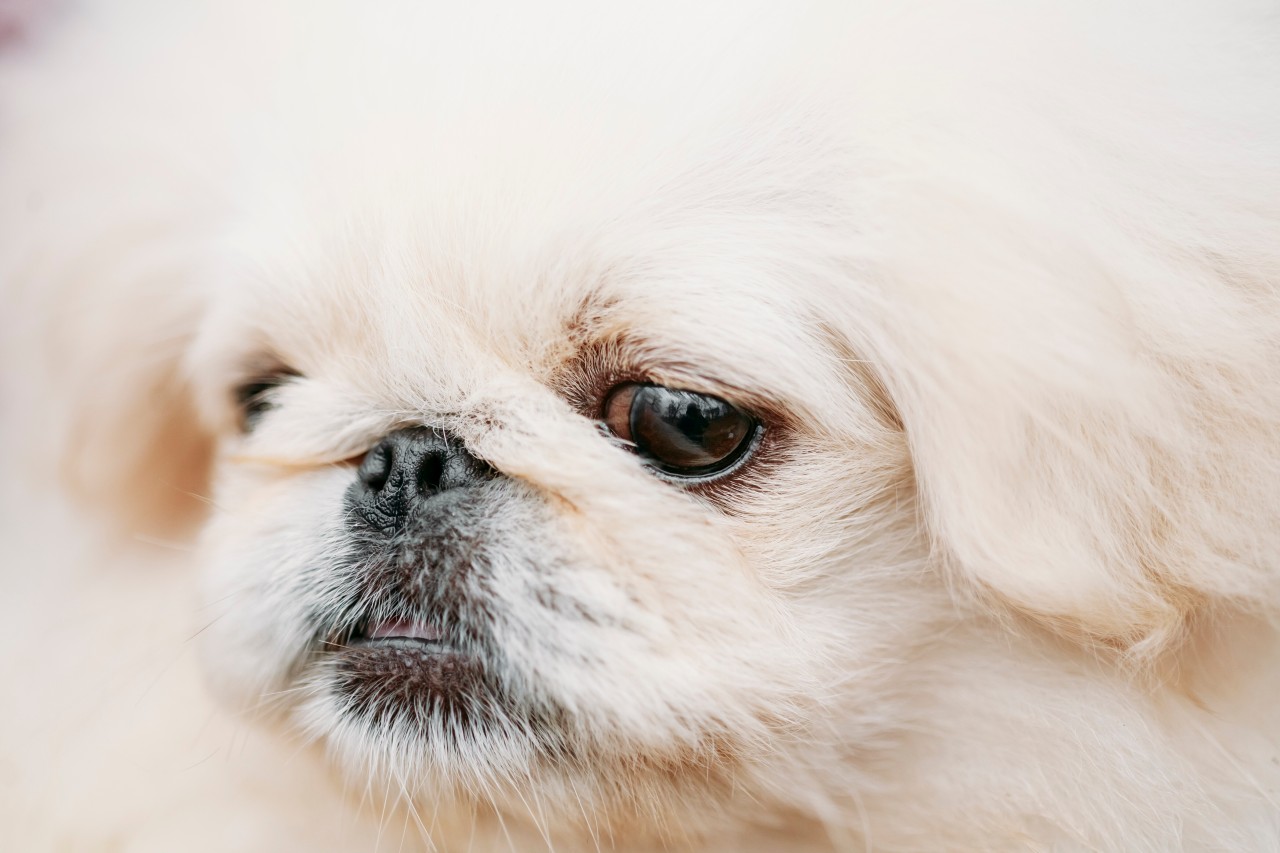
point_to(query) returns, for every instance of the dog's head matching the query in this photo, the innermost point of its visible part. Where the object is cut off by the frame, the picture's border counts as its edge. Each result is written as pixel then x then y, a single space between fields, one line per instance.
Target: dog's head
pixel 624 449
pixel 549 485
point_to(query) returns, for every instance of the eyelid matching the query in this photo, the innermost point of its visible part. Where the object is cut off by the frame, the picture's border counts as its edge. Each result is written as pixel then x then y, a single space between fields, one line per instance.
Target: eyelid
pixel 253 396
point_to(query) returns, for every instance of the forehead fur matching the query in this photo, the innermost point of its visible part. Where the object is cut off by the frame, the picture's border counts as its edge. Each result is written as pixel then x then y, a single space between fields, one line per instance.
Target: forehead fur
pixel 706 267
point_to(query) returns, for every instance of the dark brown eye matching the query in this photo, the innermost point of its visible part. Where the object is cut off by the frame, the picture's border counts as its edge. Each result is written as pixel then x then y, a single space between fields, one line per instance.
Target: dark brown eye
pixel 680 432
pixel 257 396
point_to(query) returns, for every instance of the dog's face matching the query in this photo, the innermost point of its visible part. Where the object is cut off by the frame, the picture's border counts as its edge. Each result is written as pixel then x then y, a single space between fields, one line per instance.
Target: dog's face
pixel 612 518
pixel 606 431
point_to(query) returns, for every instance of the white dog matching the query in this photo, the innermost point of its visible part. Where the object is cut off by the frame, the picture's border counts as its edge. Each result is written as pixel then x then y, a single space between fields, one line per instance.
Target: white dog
pixel 576 426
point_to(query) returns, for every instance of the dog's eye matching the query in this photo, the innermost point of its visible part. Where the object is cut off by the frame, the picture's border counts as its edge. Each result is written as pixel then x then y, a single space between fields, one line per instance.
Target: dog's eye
pixel 257 396
pixel 681 433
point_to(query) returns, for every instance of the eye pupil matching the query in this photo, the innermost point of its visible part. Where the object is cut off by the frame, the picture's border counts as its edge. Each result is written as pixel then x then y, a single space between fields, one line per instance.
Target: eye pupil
pixel 680 432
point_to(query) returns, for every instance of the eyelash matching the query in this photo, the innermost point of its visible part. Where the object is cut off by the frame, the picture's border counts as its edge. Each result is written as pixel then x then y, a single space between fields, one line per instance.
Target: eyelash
pixel 255 397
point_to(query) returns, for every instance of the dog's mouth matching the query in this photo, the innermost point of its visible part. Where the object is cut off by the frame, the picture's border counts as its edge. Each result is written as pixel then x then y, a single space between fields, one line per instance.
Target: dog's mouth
pixel 400 634
pixel 408 670
pixel 412 644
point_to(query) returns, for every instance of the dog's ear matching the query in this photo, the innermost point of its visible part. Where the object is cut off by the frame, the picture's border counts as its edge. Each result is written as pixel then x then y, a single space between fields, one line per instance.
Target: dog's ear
pixel 123 434
pixel 1086 446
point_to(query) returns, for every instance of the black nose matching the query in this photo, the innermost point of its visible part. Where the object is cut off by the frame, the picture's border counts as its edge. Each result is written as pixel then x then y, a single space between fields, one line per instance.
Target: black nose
pixel 407 468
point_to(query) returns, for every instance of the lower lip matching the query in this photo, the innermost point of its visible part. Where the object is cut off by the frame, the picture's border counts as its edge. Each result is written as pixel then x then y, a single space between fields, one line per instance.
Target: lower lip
pixel 406 675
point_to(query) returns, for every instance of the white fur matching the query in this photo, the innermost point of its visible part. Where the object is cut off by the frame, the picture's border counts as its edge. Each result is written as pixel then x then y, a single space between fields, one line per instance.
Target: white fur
pixel 1003 278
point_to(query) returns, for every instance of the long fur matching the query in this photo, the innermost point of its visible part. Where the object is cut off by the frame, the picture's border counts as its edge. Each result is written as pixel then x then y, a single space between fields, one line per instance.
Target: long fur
pixel 1001 278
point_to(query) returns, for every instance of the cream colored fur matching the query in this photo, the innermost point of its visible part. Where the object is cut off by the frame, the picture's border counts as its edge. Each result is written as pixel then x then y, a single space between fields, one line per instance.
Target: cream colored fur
pixel 1003 279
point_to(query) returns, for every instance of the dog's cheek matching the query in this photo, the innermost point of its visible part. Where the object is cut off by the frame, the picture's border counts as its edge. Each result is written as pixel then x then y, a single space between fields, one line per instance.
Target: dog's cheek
pixel 264 556
pixel 648 644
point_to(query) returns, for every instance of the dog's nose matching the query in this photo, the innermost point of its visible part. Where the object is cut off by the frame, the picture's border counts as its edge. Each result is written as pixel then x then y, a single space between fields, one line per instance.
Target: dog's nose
pixel 407 468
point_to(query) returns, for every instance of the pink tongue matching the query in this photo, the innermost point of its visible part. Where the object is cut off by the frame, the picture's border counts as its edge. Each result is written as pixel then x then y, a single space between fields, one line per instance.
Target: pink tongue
pixel 410 630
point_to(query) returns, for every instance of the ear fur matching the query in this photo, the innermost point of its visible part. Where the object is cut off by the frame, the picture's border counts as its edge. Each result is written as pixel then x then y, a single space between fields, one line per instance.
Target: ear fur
pixel 1094 427
pixel 101 365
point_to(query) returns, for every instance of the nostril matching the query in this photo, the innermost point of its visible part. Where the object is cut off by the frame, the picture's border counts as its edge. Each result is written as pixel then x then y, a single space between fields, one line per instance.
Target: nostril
pixel 376 466
pixel 401 473
pixel 430 473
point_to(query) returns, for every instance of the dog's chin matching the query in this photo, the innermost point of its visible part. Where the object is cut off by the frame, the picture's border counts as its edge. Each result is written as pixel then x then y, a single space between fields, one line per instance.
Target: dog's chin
pixel 409 708
pixel 433 689
pixel 419 708
pixel 417 704
pixel 402 673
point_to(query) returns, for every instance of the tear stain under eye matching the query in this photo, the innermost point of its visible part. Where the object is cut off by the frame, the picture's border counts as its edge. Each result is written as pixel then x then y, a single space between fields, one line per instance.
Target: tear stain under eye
pixel 871 384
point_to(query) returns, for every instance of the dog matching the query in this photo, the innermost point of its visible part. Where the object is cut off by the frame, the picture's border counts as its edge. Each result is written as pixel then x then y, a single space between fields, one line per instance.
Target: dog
pixel 718 427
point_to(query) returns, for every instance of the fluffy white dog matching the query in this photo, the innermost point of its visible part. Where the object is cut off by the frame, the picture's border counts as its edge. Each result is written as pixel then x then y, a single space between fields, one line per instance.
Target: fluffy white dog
pixel 721 427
